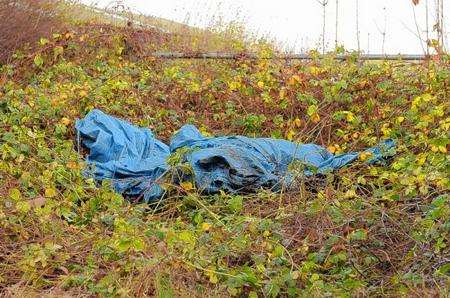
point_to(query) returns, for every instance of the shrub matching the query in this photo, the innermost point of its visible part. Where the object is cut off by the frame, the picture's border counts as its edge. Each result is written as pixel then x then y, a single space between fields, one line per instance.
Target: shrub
pixel 23 22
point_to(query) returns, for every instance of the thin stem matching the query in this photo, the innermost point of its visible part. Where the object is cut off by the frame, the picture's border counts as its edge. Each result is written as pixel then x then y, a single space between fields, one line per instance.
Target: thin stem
pixel 418 29
pixel 427 31
pixel 442 26
pixel 336 25
pixel 357 26
pixel 324 4
pixel 384 31
pixel 438 25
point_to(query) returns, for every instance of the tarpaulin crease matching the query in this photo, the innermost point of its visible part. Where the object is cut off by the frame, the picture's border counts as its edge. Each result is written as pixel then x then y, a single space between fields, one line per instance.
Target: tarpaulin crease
pixel 135 161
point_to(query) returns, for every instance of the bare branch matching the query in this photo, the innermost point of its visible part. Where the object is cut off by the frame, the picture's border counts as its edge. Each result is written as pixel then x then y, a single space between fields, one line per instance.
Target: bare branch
pixel 417 28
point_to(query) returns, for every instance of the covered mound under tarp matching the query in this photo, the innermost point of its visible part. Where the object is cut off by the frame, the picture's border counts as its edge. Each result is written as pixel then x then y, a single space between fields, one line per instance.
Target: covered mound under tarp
pixel 135 161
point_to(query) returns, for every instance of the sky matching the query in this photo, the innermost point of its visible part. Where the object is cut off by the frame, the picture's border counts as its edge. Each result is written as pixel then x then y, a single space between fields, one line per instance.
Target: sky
pixel 297 24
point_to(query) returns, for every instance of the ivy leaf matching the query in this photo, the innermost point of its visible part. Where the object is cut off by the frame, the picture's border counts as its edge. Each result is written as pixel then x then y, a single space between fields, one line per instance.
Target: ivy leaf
pixel 23 206
pixel 187 185
pixel 43 41
pixel 50 192
pixel 358 235
pixel 38 61
pixel 15 194
pixel 312 109
pixel 235 204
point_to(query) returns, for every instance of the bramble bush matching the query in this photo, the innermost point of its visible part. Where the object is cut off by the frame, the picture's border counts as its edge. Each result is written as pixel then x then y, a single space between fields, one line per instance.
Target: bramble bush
pixel 368 230
pixel 23 22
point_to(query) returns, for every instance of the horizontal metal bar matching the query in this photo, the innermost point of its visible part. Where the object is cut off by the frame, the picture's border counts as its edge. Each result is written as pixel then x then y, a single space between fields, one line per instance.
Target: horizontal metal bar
pixel 216 55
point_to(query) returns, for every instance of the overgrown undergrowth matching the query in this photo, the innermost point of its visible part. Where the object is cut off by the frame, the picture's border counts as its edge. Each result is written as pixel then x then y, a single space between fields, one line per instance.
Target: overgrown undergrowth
pixel 369 230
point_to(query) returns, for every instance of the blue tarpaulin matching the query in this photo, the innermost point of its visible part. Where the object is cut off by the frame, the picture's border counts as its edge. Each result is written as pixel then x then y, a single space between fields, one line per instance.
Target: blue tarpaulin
pixel 136 162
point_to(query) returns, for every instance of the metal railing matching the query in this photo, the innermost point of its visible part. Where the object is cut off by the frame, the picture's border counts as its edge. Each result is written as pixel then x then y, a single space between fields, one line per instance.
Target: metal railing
pixel 216 55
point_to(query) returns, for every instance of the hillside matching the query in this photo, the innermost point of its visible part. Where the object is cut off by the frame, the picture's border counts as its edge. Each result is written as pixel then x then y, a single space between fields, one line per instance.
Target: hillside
pixel 362 231
pixel 222 38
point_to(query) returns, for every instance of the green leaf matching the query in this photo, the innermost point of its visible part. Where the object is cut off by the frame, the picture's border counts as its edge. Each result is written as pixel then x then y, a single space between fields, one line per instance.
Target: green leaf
pixel 235 204
pixel 187 237
pixel 38 61
pixel 123 244
pixel 23 207
pixel 312 109
pixel 15 194
pixel 278 251
pixel 138 244
pixel 358 235
pixel 444 269
pixel 43 41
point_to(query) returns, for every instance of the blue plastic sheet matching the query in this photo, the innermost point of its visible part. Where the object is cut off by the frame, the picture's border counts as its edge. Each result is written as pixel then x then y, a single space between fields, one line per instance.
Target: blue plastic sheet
pixel 136 162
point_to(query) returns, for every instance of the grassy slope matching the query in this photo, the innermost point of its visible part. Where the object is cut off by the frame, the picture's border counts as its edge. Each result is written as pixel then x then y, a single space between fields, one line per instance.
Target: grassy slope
pixel 83 13
pixel 368 230
pixel 184 38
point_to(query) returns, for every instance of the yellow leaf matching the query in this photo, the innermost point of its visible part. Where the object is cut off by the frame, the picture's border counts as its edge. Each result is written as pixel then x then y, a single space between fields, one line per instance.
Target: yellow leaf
pixel 69 35
pixel 363 156
pixel 65 121
pixel 206 226
pixel 297 122
pixel 212 275
pixel 350 194
pixel 260 267
pixel 213 278
pixel 290 135
pixel 234 85
pixel 385 129
pixel 314 70
pixel 261 84
pixel 400 119
pixel 15 194
pixel 50 192
pixel 72 165
pixel 315 118
pixel 282 93
pixel 421 159
pixel 314 277
pixel 187 185
pixel 83 93
pixel 332 149
pixel 350 117
pixel 204 131
pixel 292 80
pixel 23 206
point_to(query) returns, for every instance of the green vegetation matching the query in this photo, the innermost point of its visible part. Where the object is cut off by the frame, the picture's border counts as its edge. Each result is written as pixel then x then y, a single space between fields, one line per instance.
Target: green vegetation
pixel 369 230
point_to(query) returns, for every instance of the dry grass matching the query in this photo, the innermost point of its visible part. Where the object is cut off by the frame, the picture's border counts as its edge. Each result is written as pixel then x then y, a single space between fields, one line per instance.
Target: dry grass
pixel 23 22
pixel 313 226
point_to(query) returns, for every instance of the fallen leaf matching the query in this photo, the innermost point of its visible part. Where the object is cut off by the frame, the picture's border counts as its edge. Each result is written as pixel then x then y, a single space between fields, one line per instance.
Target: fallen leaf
pixel 39 201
